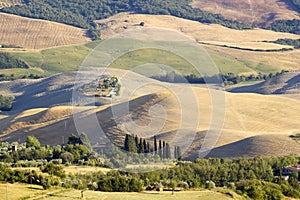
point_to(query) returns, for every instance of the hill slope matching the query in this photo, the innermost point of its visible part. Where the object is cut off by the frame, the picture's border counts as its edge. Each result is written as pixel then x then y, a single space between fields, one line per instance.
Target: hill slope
pixel 215 36
pixel 38 34
pixel 250 119
pixel 250 11
pixel 287 83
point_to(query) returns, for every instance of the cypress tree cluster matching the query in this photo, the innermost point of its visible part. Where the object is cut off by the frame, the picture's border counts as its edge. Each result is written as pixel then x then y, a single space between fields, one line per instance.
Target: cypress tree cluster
pixel 163 149
pixel 135 144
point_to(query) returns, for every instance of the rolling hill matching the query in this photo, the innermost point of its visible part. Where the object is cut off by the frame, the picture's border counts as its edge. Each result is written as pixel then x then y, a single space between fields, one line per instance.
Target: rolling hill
pixel 250 120
pixel 214 38
pixel 250 11
pixel 38 34
pixel 287 83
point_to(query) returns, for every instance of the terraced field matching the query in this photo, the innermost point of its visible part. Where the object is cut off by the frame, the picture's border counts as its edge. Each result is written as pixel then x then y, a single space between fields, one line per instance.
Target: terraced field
pixel 38 34
pixel 6 3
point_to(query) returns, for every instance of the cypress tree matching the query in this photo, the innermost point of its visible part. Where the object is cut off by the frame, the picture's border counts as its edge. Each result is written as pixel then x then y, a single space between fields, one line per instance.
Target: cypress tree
pixel 164 150
pixel 148 147
pixel 175 152
pixel 141 146
pixel 160 150
pixel 136 142
pixel 155 145
pixel 126 142
pixel 146 150
pixel 168 151
pixel 131 144
pixel 178 153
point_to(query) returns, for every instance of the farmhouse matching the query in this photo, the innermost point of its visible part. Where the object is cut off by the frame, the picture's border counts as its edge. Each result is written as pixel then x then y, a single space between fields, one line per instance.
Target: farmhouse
pixel 287 171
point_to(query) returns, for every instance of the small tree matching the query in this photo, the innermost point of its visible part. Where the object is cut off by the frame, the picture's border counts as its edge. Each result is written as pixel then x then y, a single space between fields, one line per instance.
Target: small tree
pixel 32 141
pixel 210 185
pixel 67 157
pixel 53 169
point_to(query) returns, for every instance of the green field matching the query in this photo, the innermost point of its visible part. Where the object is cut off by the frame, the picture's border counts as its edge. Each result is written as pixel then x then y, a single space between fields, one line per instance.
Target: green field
pixel 69 58
pixel 20 191
pixel 26 191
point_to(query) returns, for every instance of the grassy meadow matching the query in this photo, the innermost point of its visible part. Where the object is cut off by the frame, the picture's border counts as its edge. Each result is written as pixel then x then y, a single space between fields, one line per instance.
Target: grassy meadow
pixel 69 58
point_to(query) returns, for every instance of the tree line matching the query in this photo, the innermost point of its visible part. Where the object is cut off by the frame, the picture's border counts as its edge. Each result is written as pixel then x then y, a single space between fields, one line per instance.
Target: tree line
pixel 12 77
pixel 227 79
pixel 257 178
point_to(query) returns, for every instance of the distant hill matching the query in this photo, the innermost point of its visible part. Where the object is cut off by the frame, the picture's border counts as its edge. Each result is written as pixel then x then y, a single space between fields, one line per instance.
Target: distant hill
pixel 38 34
pixel 252 11
pixel 265 145
pixel 287 83
pixel 82 14
pixel 248 116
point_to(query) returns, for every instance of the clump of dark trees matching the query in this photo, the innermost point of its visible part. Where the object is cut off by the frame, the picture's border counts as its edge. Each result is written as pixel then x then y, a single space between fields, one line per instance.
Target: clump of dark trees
pixel 5 103
pixel 8 61
pixel 12 77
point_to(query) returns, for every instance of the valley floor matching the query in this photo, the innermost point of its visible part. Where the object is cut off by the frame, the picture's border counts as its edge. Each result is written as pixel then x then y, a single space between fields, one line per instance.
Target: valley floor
pixel 25 191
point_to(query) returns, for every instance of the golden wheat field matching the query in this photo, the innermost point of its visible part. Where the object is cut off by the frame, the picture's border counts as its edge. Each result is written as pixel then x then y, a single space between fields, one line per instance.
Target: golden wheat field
pixel 38 34
pixel 250 11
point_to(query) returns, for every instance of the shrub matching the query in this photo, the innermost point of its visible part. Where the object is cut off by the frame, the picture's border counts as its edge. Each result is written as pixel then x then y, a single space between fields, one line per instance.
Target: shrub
pixel 210 185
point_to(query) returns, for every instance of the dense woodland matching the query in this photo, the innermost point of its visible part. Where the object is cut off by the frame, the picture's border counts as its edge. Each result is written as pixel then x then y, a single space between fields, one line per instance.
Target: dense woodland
pixel 250 177
pixel 290 26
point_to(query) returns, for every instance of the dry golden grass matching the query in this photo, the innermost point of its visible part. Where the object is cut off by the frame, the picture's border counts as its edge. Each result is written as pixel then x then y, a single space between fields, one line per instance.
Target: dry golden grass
pixel 85 169
pixel 38 34
pixel 197 31
pixel 249 11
